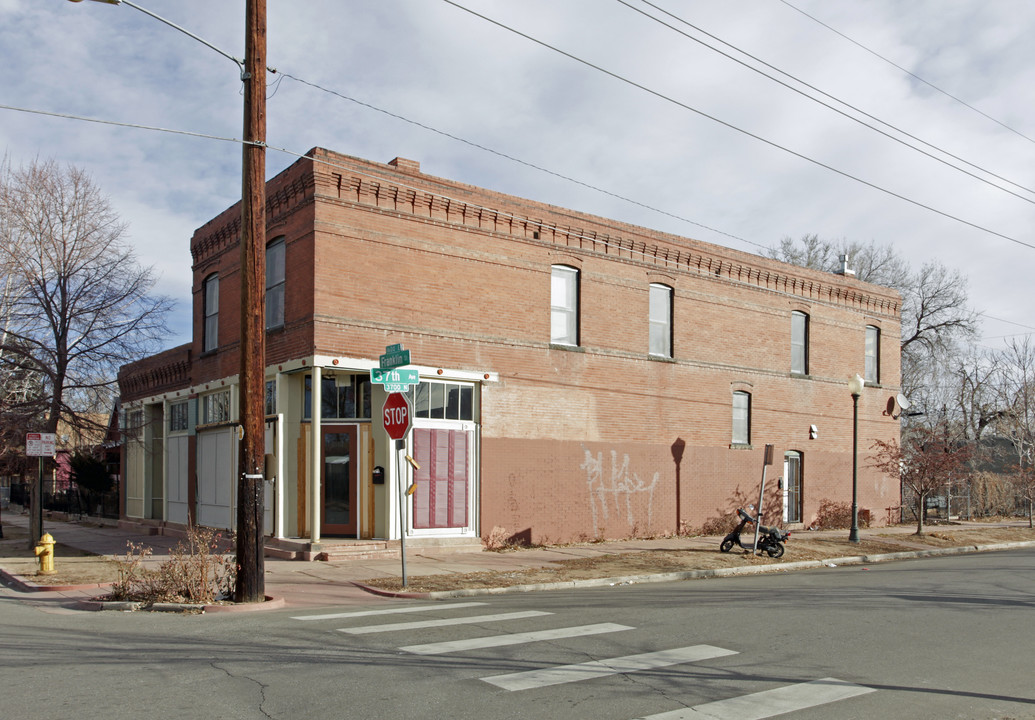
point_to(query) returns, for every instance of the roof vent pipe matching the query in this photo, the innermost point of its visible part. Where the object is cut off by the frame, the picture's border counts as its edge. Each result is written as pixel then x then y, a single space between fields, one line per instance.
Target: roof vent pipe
pixel 845 270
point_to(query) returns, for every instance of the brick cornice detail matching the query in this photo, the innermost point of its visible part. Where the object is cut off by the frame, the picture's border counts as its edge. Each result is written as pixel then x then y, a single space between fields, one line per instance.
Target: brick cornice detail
pixel 388 197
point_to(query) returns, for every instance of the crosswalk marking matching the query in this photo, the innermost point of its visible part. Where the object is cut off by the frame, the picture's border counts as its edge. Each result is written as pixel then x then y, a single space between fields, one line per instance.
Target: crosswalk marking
pixel 602 668
pixel 513 639
pixel 388 611
pixel 769 703
pixel 391 627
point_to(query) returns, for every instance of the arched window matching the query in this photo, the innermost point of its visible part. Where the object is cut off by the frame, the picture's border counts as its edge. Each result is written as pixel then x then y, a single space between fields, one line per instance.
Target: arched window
pixel 564 305
pixel 660 320
pixel 275 284
pixel 872 371
pixel 799 343
pixel 741 418
pixel 210 312
pixel 792 495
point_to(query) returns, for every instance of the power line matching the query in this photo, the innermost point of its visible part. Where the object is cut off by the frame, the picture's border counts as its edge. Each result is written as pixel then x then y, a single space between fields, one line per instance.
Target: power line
pixel 740 130
pixel 371 175
pixel 506 156
pixel 116 123
pixel 296 154
pixel 907 72
pixel 832 97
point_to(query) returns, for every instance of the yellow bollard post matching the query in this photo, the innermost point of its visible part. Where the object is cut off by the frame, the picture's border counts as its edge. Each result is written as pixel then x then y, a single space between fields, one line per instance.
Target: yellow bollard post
pixel 45 555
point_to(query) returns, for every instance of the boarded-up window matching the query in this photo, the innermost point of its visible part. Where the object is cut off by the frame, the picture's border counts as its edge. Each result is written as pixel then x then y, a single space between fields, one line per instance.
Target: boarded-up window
pixel 443 481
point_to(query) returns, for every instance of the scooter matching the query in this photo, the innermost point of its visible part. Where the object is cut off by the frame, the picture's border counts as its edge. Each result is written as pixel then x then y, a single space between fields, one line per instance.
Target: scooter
pixel 770 539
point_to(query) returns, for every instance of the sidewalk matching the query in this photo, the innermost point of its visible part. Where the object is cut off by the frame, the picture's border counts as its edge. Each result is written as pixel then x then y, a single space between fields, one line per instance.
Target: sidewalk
pixel 300 584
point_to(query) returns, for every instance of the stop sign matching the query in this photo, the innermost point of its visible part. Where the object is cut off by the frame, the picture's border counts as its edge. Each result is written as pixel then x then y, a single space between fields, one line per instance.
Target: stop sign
pixel 397 416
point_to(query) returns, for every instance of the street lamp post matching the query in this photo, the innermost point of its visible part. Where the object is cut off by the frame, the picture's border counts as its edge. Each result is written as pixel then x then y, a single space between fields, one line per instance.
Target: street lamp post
pixel 855 387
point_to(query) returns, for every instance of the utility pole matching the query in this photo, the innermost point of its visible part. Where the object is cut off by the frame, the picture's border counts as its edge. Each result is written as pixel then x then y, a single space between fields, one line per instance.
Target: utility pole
pixel 251 570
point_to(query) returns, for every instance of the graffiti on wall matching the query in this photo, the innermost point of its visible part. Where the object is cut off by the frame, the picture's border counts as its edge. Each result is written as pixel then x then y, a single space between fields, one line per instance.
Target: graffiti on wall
pixel 614 489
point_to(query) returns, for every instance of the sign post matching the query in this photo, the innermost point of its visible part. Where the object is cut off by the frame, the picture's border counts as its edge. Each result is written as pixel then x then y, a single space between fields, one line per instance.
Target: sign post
pixel 39 445
pixel 397 415
pixel 766 462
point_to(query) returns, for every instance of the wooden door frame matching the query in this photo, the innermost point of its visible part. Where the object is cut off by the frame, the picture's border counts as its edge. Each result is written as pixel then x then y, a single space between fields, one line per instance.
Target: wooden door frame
pixel 351 529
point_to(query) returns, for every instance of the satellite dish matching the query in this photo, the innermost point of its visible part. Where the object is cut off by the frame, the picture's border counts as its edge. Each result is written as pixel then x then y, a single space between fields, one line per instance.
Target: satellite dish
pixel 903 401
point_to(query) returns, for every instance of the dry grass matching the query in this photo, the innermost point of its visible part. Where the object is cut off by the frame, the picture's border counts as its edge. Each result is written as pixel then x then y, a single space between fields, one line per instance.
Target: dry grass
pixel 76 568
pixel 801 547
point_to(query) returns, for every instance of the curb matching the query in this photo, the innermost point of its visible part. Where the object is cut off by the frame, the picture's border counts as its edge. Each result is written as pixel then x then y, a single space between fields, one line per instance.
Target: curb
pixel 271 603
pixel 849 560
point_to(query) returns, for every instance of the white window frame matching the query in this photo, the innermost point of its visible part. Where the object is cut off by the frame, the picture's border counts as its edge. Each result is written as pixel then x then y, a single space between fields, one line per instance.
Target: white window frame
pixel 660 318
pixel 276 283
pixel 564 305
pixel 179 411
pixel 210 313
pixel 799 343
pixel 871 372
pixel 741 418
pixel 215 407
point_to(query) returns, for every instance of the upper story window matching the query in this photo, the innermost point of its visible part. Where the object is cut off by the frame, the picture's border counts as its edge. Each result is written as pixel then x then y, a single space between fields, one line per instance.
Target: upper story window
pixel 210 331
pixel 741 418
pixel 872 371
pixel 564 305
pixel 178 417
pixel 215 407
pixel 799 343
pixel 660 320
pixel 275 283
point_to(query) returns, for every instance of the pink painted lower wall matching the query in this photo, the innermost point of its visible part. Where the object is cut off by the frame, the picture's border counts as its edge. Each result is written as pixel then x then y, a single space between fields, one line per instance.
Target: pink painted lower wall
pixel 546 491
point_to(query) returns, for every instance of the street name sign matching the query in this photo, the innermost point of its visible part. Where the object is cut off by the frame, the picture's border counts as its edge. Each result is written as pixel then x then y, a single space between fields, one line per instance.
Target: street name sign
pixel 397 380
pixel 394 358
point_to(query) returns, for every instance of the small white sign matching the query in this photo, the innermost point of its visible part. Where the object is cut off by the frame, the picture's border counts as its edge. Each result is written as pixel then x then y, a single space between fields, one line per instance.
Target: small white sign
pixel 40 444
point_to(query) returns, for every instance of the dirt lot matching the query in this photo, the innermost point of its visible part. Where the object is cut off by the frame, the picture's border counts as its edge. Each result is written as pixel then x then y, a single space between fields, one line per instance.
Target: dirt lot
pixel 75 568
pixel 801 546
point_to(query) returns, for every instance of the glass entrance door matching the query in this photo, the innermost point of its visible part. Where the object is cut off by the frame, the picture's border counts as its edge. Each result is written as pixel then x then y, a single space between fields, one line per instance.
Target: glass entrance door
pixel 338 514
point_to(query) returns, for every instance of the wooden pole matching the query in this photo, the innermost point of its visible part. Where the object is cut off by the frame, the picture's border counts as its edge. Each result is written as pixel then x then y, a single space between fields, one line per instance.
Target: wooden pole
pixel 250 585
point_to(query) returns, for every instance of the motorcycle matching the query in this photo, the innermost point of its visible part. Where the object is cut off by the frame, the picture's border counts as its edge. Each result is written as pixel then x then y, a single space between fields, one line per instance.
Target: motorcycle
pixel 770 539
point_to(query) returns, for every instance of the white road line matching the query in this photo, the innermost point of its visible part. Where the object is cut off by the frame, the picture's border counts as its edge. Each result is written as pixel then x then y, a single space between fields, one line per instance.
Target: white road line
pixel 388 611
pixel 769 703
pixel 513 639
pixel 602 668
pixel 391 627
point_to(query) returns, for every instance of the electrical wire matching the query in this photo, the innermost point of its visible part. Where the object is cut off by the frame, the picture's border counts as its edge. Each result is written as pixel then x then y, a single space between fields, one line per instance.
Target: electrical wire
pixel 353 169
pixel 740 130
pixel 909 73
pixel 297 154
pixel 832 97
pixel 512 158
pixel 136 126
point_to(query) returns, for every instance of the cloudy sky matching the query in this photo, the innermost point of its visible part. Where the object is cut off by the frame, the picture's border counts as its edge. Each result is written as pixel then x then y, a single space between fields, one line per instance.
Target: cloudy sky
pixel 636 104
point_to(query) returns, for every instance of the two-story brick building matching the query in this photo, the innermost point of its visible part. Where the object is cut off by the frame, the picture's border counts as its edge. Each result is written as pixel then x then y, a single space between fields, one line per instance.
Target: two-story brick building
pixel 580 377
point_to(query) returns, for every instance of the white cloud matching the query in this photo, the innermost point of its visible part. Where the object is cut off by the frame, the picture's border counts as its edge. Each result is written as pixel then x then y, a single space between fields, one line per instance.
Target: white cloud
pixel 443 67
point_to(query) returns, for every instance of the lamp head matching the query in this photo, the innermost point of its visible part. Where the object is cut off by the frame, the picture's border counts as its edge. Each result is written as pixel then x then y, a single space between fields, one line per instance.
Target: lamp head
pixel 855 385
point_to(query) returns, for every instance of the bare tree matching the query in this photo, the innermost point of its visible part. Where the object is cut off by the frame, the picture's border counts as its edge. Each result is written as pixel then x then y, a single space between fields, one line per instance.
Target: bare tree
pixel 936 319
pixel 926 461
pixel 79 305
pixel 1017 423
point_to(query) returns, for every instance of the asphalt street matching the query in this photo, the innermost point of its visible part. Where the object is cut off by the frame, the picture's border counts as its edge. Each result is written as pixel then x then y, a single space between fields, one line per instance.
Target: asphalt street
pixel 935 638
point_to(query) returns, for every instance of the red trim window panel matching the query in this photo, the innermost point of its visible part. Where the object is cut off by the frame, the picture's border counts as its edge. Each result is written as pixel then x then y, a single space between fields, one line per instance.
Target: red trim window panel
pixel 443 482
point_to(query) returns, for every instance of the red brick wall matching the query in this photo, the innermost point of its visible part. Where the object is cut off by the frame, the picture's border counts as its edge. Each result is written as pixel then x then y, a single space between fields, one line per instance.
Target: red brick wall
pixel 574 442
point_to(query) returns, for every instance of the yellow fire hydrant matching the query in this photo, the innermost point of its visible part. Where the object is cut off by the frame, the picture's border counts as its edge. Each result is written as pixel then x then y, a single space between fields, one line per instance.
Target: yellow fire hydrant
pixel 45 554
